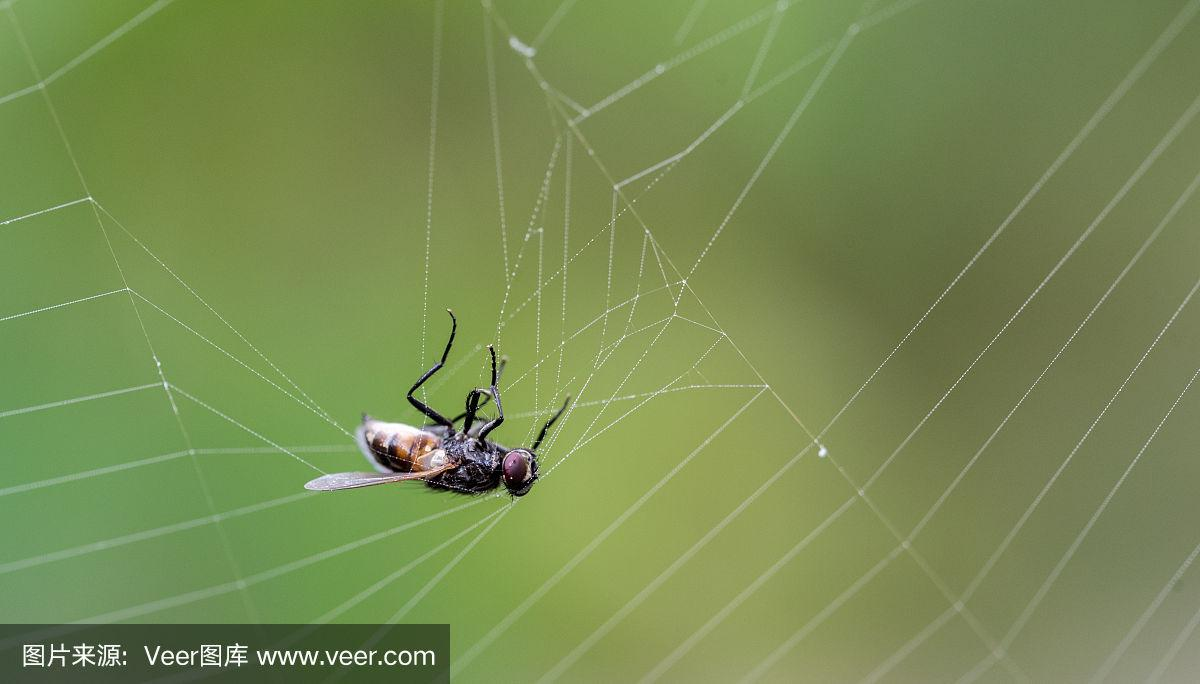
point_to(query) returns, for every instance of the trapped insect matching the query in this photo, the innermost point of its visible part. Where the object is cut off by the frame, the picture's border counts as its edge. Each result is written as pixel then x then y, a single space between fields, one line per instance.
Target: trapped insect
pixel 457 460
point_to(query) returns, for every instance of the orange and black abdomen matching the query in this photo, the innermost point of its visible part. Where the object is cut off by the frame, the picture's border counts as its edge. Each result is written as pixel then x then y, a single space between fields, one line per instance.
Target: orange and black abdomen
pixel 397 447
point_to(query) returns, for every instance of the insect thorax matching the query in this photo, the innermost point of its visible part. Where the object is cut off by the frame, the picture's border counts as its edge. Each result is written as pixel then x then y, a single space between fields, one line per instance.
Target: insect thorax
pixel 479 464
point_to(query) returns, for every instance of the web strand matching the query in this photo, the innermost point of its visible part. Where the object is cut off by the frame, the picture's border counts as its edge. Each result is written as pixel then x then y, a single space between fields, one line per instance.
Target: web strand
pixel 436 80
pixel 1160 668
pixel 1119 650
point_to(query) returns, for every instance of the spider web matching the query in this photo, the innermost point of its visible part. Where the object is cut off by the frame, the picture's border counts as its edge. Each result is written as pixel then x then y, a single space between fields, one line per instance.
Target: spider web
pixel 934 475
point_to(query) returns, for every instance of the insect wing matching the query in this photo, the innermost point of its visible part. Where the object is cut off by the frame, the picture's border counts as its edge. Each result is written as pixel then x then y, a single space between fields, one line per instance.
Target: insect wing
pixel 335 481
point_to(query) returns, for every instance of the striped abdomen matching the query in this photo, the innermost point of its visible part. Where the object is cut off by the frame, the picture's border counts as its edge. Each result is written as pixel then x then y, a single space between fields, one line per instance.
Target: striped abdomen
pixel 396 447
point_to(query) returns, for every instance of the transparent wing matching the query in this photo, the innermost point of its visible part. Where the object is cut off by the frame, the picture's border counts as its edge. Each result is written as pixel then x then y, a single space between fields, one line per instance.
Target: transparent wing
pixel 334 481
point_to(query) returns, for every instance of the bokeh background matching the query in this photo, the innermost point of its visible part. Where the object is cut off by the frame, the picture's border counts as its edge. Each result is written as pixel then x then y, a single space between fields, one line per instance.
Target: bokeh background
pixel 265 226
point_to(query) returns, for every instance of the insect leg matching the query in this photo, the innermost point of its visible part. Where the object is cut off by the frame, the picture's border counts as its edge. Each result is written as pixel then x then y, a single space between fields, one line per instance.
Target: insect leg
pixel 487 394
pixel 546 427
pixel 495 422
pixel 417 403
pixel 473 405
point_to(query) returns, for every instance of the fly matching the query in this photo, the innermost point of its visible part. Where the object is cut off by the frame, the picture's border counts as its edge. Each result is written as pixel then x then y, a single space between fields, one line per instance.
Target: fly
pixel 453 459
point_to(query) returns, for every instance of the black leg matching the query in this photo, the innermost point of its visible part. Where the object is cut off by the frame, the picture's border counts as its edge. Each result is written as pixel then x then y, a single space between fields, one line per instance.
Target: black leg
pixel 546 428
pixel 417 403
pixel 495 422
pixel 487 395
pixel 472 407
pixel 470 412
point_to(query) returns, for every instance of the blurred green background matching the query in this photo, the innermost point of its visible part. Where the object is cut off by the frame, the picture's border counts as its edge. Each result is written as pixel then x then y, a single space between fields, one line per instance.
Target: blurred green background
pixel 276 157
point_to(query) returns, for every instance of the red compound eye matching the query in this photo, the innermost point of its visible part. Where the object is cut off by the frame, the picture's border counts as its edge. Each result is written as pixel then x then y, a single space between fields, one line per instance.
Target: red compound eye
pixel 516 469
